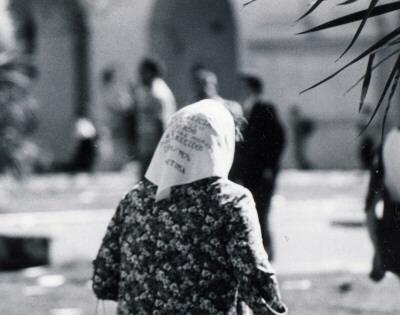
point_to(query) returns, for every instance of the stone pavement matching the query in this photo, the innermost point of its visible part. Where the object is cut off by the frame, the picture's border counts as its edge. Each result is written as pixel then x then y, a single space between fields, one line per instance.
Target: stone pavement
pixel 317 217
pixel 318 222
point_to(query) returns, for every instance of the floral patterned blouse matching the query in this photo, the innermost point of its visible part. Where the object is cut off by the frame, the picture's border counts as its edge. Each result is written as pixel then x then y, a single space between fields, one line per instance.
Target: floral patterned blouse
pixel 197 252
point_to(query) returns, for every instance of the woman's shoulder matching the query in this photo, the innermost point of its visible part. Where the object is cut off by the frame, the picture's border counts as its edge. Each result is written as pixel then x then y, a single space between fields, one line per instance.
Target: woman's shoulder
pixel 214 187
pixel 144 189
pixel 231 190
pixel 234 198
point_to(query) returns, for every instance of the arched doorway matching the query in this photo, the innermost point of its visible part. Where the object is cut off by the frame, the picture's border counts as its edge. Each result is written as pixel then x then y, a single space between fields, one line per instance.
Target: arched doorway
pixel 185 33
pixel 55 35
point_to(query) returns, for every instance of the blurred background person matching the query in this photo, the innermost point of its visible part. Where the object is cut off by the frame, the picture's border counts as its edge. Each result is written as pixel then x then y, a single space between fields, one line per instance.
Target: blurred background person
pixel 85 151
pixel 384 228
pixel 205 83
pixel 368 146
pixel 258 156
pixel 205 86
pixel 153 104
pixel 302 128
pixel 119 119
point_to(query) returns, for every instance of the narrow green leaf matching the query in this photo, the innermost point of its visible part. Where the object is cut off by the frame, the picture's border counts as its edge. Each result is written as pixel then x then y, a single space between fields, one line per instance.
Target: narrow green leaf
pixel 370 50
pixel 353 17
pixel 310 10
pixel 371 7
pixel 373 68
pixel 367 81
pixel 385 89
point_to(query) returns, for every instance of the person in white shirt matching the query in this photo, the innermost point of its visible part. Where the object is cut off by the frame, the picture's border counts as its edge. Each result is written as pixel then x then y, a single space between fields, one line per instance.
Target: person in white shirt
pixel 117 129
pixel 153 103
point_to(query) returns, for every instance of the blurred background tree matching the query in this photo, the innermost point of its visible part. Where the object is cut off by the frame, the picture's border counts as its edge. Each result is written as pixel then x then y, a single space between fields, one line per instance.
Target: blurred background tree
pixel 17 107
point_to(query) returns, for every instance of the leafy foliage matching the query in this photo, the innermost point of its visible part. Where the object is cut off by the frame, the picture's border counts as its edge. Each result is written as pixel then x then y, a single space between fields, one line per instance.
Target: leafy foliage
pixel 16 114
pixel 16 105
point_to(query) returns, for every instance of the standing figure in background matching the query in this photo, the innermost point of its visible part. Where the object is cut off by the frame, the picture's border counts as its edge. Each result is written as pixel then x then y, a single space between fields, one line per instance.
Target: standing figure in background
pixel 205 86
pixel 153 104
pixel 258 156
pixel 85 153
pixel 384 229
pixel 368 143
pixel 119 121
pixel 302 130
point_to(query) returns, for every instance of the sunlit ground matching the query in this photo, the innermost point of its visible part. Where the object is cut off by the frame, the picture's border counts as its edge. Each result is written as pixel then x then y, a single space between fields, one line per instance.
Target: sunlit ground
pixel 323 251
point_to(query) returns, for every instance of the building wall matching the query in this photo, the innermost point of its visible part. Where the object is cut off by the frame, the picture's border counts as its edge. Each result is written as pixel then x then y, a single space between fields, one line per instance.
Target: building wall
pixel 117 37
pixel 186 34
pixel 125 32
pixel 286 70
pixel 119 40
pixel 122 32
pixel 55 85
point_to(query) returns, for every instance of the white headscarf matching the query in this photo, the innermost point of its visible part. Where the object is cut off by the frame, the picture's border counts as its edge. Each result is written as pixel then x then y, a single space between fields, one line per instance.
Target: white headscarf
pixel 198 143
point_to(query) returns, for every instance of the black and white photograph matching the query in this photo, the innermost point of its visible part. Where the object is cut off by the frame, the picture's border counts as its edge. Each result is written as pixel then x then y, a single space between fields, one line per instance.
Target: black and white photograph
pixel 199 157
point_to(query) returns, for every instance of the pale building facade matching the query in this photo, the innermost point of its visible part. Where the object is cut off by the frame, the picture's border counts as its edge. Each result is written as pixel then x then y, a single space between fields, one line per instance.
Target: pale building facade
pixel 73 41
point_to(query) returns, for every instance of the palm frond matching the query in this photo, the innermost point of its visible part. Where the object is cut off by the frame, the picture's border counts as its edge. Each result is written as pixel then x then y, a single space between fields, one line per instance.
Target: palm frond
pixel 314 6
pixel 371 7
pixel 354 17
pixel 384 59
pixel 248 2
pixel 347 2
pixel 368 51
pixel 367 81
pixel 389 103
pixel 383 94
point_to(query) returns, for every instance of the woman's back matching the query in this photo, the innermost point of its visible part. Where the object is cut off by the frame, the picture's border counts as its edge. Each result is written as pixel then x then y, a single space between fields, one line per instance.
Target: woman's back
pixel 187 240
pixel 176 255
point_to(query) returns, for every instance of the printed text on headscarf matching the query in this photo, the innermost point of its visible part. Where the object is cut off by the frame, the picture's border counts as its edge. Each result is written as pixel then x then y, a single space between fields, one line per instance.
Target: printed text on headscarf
pixel 183 139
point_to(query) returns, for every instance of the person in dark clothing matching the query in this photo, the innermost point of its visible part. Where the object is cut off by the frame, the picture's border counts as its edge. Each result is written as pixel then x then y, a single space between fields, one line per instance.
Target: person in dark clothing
pixel 258 156
pixel 384 228
pixel 85 152
pixel 368 145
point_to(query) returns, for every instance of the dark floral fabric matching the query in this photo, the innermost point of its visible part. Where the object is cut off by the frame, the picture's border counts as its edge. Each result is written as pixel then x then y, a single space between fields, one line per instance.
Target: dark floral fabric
pixel 197 252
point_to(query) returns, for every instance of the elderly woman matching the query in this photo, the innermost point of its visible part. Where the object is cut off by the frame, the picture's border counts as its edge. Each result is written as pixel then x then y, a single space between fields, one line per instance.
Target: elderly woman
pixel 186 240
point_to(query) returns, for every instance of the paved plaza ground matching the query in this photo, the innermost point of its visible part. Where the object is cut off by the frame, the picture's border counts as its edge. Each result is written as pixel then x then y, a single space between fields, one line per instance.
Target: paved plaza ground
pixel 323 251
